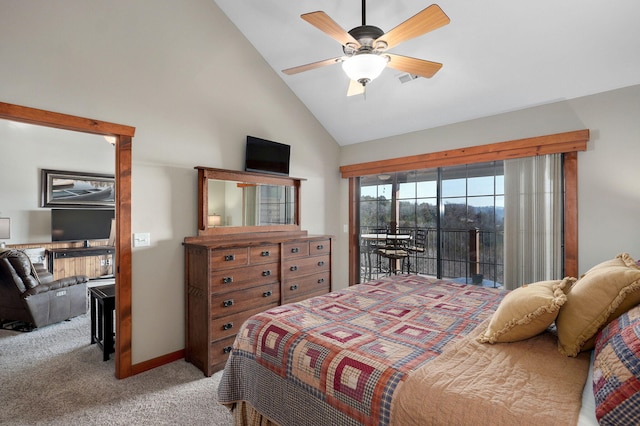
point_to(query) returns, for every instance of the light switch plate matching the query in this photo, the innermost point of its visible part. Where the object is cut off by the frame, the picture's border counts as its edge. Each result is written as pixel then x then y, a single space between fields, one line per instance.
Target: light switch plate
pixel 141 239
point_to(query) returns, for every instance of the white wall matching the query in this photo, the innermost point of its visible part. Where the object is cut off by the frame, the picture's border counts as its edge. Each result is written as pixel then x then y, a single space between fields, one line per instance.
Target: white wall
pixel 193 87
pixel 608 172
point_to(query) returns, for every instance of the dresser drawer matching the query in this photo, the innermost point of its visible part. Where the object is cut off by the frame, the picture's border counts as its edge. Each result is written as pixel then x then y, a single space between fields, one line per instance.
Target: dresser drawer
pixel 300 267
pixel 229 258
pixel 306 296
pixel 219 352
pixel 229 325
pixel 237 279
pixel 294 288
pixel 244 300
pixel 319 247
pixel 295 249
pixel 264 254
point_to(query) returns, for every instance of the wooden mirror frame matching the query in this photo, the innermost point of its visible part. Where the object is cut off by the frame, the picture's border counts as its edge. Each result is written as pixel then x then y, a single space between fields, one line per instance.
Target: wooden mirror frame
pixel 124 138
pixel 206 173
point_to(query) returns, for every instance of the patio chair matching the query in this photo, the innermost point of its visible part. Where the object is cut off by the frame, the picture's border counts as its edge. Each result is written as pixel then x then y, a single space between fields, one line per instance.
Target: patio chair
pixel 396 250
pixel 418 245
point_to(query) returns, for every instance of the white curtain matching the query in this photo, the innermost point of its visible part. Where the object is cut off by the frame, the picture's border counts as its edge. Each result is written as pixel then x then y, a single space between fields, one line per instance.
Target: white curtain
pixel 533 219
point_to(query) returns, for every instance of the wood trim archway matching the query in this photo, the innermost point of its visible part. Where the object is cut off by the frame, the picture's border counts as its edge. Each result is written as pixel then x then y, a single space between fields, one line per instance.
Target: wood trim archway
pixel 568 143
pixel 124 137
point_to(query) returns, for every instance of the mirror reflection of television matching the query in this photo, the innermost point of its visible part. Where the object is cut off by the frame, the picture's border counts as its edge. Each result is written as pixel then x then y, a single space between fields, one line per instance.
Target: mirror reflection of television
pixel 81 224
pixel 266 156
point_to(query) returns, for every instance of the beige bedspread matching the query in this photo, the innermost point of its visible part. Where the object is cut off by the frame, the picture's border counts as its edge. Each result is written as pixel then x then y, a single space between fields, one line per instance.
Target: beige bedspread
pixel 471 383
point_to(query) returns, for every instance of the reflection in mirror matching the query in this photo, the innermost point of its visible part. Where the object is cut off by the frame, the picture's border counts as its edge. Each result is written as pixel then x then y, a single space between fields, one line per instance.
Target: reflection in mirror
pixel 232 203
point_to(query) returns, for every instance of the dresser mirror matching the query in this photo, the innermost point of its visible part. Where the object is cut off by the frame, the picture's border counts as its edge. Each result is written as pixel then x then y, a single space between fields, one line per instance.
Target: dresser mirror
pixel 231 202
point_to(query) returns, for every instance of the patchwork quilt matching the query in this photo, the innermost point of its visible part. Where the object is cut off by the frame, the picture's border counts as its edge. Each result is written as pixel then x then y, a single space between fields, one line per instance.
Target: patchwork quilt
pixel 339 358
pixel 616 375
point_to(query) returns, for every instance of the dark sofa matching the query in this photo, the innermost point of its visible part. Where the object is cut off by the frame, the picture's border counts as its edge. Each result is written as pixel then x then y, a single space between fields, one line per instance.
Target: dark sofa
pixel 28 292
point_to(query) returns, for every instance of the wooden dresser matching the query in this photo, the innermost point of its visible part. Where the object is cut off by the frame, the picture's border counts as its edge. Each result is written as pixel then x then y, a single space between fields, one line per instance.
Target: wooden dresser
pixel 231 278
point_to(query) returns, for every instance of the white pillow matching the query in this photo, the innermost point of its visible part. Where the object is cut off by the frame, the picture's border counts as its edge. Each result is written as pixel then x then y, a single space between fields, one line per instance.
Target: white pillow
pixel 36 255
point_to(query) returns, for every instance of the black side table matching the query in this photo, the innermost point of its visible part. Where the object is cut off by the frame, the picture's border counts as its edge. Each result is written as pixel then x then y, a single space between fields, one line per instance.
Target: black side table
pixel 103 306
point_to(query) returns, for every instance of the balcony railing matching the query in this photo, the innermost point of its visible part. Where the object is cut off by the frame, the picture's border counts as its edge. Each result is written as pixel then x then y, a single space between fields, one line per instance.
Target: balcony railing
pixel 465 255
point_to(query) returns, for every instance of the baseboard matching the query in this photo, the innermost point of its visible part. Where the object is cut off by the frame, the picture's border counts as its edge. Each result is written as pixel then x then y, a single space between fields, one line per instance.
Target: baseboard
pixel 156 362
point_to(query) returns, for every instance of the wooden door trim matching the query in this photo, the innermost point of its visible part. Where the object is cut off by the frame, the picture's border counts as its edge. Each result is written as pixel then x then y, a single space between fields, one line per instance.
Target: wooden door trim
pixel 541 145
pixel 124 136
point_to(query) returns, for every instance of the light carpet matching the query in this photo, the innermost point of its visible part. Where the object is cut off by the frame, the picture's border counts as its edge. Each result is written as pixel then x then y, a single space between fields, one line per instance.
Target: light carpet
pixel 53 376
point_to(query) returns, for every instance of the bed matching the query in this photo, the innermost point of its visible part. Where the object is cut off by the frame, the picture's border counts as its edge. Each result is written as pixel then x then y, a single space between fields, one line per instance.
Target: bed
pixel 412 350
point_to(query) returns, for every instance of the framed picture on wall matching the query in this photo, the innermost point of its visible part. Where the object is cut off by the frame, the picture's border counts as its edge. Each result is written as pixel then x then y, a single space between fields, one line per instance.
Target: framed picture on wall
pixel 76 189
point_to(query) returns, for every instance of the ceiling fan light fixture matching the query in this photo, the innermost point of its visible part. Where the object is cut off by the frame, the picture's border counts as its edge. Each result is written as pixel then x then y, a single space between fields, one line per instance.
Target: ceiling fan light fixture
pixel 364 67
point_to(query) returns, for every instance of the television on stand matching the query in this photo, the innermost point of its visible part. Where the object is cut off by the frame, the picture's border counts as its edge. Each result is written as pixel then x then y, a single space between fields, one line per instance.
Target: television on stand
pixel 81 224
pixel 267 156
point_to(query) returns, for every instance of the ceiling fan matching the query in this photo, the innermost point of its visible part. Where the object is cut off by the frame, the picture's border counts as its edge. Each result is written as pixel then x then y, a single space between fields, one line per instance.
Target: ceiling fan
pixel 365 47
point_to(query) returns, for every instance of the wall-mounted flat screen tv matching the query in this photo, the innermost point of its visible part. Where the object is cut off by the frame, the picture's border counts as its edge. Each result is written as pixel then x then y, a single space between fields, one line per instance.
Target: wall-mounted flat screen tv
pixel 267 156
pixel 81 224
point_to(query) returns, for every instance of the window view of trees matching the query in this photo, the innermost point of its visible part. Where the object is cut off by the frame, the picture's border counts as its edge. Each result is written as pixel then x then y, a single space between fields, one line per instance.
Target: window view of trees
pixel 461 208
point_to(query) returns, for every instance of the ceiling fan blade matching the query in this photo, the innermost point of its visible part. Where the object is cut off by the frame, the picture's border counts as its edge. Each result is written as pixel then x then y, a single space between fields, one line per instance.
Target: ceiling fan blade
pixel 324 23
pixel 311 66
pixel 355 88
pixel 422 22
pixel 413 66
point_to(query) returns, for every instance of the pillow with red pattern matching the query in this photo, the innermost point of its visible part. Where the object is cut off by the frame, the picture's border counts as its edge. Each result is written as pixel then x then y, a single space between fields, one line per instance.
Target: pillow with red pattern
pixel 616 370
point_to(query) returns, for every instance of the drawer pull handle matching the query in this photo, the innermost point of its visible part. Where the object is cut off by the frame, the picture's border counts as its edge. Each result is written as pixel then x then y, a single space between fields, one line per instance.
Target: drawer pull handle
pixel 321 280
pixel 227 349
pixel 266 273
pixel 320 247
pixel 227 280
pixel 294 287
pixel 321 263
pixel 293 268
pixel 227 326
pixel 295 250
pixel 229 257
pixel 267 293
pixel 266 253
pixel 227 303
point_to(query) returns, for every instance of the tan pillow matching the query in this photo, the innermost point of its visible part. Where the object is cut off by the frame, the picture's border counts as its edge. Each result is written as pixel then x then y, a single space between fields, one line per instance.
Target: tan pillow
pixel 526 311
pixel 601 295
pixel 616 261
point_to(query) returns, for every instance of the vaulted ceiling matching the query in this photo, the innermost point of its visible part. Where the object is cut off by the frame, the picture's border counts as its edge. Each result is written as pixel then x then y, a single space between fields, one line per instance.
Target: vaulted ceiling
pixel 497 56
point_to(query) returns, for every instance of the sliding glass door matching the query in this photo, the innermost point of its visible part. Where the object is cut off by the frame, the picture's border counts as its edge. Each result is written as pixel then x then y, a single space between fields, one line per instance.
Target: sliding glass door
pixel 377 201
pixel 460 208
